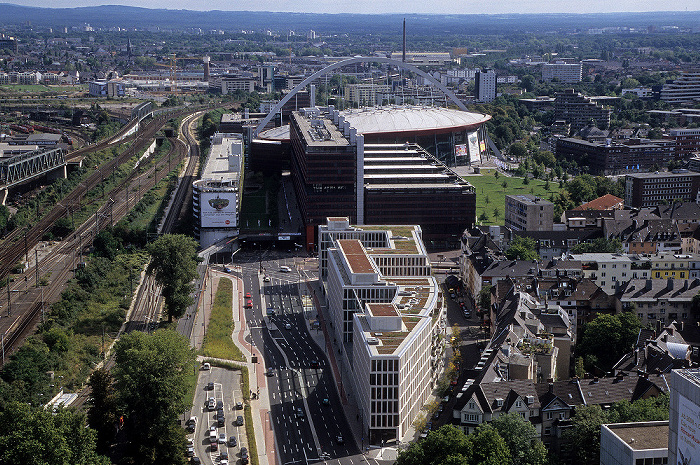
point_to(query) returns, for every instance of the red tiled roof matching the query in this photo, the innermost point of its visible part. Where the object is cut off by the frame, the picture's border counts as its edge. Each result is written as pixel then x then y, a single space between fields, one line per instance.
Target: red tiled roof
pixel 606 202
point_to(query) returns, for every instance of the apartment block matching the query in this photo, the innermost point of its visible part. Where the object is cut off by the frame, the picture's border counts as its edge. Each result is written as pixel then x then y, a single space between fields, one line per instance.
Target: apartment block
pixel 528 213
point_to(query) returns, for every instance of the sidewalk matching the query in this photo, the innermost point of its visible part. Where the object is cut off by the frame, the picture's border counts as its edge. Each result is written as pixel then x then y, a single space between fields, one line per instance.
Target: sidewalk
pixel 260 407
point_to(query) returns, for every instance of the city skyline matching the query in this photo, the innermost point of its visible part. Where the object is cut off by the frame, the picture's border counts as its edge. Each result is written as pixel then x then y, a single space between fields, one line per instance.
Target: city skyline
pixel 388 6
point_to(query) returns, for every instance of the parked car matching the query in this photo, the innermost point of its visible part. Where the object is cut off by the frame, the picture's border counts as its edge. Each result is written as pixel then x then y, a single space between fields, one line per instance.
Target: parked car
pixel 223 454
pixel 211 403
pixel 314 364
pixel 222 438
pixel 195 461
pixel 299 412
pixel 190 451
pixel 210 386
pixel 270 372
pixel 206 366
pixel 266 279
pixel 326 401
pixel 232 442
pixel 288 326
pixel 339 439
pixel 239 405
pixel 214 446
pixel 239 420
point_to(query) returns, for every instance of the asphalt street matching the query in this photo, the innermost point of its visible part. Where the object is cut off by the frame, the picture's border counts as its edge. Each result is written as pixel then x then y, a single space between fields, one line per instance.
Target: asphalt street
pixel 307 414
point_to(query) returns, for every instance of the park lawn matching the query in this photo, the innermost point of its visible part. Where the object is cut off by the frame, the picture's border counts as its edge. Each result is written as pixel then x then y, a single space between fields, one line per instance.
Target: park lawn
pixel 491 195
pixel 218 342
pixel 40 88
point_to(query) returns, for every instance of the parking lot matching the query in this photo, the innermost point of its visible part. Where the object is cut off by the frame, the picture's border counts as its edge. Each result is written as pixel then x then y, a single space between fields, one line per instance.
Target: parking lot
pixel 215 440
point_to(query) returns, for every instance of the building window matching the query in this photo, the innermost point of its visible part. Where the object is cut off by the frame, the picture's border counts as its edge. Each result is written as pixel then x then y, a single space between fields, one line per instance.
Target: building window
pixel 549 415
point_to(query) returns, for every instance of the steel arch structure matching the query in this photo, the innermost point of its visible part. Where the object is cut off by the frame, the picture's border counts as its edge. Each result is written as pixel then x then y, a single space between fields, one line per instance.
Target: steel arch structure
pixel 351 61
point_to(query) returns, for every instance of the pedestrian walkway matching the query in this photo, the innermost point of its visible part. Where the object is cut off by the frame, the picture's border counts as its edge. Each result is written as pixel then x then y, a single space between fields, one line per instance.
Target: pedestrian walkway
pixel 260 401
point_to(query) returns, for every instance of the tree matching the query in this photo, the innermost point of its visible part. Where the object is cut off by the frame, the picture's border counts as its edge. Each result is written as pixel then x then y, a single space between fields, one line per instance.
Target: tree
pixel 174 265
pixel 150 375
pixel 489 448
pixel 36 435
pixel 607 338
pixel 102 414
pixel 581 189
pixel 522 248
pixel 446 442
pixel 521 438
pixel 106 244
pixel 518 150
pixel 584 436
pixel 600 245
pixel 504 184
pixel 485 297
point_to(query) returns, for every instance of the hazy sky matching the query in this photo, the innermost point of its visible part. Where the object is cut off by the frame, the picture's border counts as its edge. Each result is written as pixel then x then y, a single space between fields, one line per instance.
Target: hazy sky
pixel 391 6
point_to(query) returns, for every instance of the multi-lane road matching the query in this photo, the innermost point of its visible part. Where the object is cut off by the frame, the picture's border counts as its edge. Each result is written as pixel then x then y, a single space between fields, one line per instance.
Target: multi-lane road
pixel 306 411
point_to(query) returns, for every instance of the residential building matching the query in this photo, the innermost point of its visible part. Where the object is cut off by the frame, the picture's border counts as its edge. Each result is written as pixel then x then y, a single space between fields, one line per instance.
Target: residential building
pixel 365 95
pixel 605 202
pixel 659 300
pixel 634 443
pixel 607 270
pixel 562 72
pixel 685 89
pixel 524 212
pixel 672 265
pixel 485 85
pixel 650 189
pixel 389 311
pixel 578 110
pixel 554 244
pixel 640 92
pixel 230 84
pixel 216 196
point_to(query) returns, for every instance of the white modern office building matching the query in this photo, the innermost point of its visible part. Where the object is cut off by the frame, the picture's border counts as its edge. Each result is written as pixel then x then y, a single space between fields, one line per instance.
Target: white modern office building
pixel 388 309
pixel 216 197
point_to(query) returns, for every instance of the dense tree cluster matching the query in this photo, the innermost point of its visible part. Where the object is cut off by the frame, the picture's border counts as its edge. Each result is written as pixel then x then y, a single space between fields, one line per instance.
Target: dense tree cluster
pixel 606 339
pixel 522 248
pixel 509 439
pixel 174 265
pixel 583 438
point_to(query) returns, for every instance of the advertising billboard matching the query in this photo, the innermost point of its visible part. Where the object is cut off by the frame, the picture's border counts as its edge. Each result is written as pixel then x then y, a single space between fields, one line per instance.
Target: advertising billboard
pixel 461 150
pixel 218 209
pixel 474 153
pixel 688 432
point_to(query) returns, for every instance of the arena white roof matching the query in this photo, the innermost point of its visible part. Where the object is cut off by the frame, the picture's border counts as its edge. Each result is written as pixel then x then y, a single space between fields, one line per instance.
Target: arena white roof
pixel 373 120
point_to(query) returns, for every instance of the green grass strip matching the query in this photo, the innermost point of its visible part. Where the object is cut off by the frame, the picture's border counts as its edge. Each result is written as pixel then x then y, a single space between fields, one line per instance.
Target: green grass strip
pixel 218 342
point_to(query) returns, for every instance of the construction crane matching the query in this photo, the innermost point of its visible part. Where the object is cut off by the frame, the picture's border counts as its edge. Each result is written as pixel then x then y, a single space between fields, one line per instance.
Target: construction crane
pixel 172 65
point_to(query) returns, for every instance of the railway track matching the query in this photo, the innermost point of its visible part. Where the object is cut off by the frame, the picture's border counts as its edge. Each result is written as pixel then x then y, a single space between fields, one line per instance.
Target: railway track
pixel 61 261
pixel 148 300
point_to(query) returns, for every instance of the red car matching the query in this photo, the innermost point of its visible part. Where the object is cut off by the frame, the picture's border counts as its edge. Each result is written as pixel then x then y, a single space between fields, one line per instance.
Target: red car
pixel 247 295
pixel 248 303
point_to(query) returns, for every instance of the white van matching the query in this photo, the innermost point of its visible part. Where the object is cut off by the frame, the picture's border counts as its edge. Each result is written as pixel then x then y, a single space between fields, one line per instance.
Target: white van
pixel 285 269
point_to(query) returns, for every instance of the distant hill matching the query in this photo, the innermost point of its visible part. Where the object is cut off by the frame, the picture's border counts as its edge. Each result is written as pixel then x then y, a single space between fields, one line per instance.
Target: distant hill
pixel 419 24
